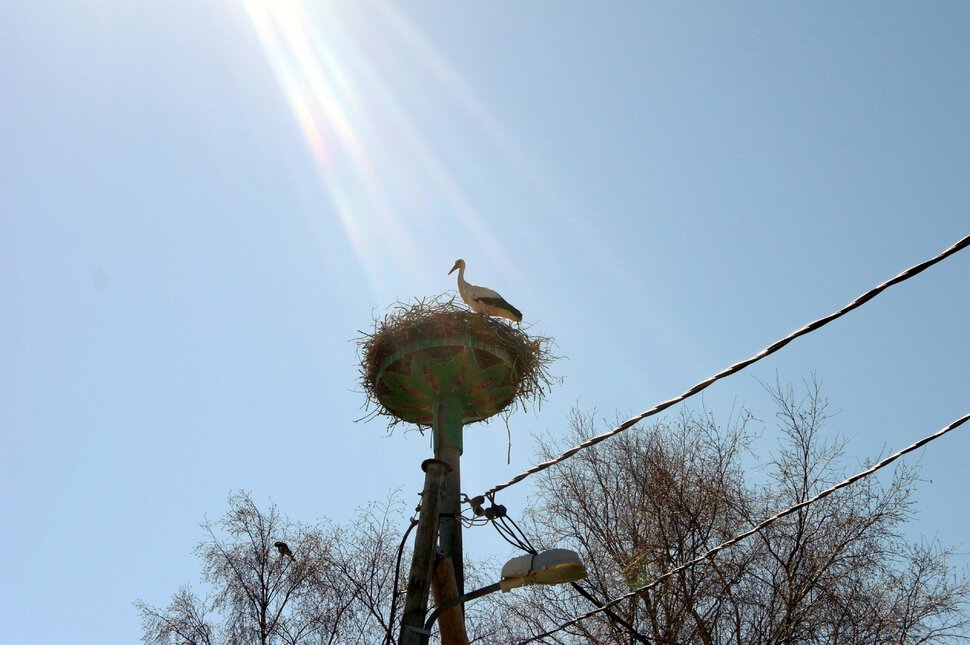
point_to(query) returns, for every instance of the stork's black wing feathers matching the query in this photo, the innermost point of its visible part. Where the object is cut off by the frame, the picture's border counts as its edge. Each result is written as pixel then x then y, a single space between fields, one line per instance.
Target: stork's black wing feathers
pixel 501 302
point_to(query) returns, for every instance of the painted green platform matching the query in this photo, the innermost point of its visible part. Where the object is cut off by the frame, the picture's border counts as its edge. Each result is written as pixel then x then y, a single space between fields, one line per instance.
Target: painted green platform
pixel 459 376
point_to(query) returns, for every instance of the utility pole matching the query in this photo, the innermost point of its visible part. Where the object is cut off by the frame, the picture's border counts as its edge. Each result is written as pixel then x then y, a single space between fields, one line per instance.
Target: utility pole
pixel 447 427
pixel 440 516
pixel 451 621
pixel 445 368
pixel 419 580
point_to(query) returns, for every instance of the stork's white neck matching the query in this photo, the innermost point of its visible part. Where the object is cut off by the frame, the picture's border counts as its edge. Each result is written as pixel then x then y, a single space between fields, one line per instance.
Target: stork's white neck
pixel 464 288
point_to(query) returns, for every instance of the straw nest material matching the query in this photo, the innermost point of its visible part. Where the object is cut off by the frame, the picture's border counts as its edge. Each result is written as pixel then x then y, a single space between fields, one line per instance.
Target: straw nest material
pixel 439 317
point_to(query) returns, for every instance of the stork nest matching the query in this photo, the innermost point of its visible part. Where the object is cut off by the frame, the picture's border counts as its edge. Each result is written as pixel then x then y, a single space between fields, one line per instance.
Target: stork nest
pixel 440 317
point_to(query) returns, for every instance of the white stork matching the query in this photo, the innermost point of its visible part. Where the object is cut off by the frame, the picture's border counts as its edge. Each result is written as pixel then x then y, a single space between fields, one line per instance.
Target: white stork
pixel 482 300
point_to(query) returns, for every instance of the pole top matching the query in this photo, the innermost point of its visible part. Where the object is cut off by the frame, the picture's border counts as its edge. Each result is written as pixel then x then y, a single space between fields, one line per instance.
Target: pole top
pixel 428 462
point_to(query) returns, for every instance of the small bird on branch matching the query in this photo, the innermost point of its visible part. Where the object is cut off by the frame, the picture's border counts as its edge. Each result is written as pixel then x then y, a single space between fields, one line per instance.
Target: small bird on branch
pixel 284 550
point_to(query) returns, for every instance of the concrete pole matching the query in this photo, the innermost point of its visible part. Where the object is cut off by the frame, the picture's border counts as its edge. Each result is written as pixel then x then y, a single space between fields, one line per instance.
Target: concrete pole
pixel 419 580
pixel 447 427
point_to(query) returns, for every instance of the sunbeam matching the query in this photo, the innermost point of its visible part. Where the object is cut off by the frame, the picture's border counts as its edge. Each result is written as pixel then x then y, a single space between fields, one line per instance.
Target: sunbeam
pixel 354 101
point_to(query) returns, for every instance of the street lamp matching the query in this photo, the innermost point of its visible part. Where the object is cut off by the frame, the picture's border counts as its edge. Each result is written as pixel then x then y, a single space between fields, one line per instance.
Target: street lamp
pixel 551 567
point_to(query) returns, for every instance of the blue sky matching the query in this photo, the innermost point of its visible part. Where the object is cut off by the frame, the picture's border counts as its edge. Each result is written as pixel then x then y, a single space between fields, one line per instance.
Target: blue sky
pixel 203 203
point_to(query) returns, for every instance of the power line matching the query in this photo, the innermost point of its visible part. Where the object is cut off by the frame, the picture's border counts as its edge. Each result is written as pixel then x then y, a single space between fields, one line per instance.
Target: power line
pixel 764 524
pixel 388 637
pixel 737 367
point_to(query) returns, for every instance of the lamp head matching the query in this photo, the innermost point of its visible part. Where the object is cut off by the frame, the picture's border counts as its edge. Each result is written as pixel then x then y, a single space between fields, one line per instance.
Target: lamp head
pixel 552 567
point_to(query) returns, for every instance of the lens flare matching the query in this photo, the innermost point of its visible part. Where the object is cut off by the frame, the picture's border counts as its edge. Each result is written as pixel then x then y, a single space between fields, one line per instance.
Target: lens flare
pixel 358 86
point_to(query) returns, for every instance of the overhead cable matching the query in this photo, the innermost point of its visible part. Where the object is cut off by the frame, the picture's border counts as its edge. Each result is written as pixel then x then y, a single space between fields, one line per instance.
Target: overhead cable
pixel 737 367
pixel 397 573
pixel 764 524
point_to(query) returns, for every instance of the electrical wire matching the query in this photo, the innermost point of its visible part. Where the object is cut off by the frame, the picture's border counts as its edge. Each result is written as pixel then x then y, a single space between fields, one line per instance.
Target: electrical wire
pixel 737 367
pixel 469 522
pixel 520 542
pixel 764 524
pixel 519 533
pixel 504 525
pixel 397 578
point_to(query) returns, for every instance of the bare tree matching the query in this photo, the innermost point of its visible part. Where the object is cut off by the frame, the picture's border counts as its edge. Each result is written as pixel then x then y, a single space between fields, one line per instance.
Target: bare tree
pixel 333 588
pixel 636 507
pixel 183 621
pixel 639 505
pixel 330 584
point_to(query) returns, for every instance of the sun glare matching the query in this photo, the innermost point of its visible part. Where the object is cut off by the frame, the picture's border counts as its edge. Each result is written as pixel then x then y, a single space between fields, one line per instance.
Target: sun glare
pixel 381 171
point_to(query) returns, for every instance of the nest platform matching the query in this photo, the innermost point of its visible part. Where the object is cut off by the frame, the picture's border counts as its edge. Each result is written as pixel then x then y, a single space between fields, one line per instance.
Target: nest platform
pixel 434 358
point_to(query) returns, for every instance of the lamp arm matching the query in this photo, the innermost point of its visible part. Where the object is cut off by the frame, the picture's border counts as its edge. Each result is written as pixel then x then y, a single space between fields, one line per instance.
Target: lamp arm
pixel 478 593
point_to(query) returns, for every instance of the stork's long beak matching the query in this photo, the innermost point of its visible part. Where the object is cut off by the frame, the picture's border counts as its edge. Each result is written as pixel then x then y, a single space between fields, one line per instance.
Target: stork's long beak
pixel 453 268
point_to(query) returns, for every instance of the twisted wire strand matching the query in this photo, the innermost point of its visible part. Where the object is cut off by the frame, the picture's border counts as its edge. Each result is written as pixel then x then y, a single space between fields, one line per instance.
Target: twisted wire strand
pixel 763 524
pixel 737 367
